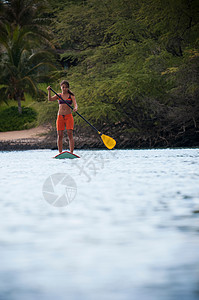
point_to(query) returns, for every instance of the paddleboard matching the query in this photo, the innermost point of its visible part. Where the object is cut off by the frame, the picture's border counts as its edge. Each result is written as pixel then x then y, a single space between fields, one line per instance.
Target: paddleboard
pixel 66 154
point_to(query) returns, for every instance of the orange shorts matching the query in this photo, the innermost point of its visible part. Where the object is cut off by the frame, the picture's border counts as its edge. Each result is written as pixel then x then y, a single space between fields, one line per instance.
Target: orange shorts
pixel 65 120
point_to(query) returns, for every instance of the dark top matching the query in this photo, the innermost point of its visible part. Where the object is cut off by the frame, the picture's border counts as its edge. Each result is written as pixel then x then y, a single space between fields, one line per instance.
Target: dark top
pixel 69 100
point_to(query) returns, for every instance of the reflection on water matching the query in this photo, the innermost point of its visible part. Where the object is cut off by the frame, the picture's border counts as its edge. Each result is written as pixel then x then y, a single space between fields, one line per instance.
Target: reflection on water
pixel 131 232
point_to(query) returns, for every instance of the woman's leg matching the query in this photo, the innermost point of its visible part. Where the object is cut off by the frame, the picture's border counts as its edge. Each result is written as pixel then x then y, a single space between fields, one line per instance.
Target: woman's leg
pixel 60 134
pixel 71 140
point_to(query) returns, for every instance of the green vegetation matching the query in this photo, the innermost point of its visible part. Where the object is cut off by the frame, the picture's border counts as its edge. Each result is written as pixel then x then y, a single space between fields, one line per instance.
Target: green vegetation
pixel 130 62
pixel 134 62
pixel 24 63
pixel 10 119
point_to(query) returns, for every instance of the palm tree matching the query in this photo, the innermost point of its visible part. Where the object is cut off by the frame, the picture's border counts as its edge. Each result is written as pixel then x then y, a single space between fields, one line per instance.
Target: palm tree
pixel 31 15
pixel 24 32
pixel 20 67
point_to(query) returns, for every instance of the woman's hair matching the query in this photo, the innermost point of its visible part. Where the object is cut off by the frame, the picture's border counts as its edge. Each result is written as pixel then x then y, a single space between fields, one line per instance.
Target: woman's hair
pixel 67 84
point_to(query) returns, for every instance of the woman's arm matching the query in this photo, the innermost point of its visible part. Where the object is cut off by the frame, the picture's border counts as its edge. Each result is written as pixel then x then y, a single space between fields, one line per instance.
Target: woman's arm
pixel 74 103
pixel 50 98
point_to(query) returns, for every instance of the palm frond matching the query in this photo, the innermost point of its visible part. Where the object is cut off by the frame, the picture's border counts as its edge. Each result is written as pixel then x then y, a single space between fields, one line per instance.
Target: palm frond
pixel 31 84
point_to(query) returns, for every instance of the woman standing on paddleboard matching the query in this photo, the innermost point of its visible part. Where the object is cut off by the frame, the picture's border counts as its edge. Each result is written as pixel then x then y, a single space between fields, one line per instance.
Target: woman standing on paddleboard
pixel 64 117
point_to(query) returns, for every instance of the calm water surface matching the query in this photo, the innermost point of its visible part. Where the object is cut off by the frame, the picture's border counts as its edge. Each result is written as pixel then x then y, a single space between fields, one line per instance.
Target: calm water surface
pixel 131 231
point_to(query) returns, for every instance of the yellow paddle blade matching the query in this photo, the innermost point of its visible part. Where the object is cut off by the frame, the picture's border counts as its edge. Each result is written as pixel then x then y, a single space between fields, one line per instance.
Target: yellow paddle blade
pixel 108 141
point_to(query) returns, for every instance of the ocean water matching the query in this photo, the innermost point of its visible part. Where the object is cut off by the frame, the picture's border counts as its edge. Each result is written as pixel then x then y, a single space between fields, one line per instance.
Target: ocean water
pixel 121 224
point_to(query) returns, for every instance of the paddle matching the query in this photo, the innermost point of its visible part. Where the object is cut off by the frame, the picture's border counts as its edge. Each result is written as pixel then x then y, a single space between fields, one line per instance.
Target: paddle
pixel 107 140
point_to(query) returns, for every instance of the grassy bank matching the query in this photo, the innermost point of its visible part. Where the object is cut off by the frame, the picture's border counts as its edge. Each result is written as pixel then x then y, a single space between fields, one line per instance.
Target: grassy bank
pixel 35 112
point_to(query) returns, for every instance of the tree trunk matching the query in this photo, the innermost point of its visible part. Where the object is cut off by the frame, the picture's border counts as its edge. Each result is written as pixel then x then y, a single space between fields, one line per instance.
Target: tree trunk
pixel 19 105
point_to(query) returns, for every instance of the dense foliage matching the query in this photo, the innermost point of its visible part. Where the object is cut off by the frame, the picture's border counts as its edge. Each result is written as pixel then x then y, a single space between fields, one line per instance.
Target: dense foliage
pixel 10 119
pixel 132 64
pixel 23 61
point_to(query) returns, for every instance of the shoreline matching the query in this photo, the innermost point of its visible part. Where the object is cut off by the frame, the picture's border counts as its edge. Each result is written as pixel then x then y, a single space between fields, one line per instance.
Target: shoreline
pixel 36 132
pixel 45 137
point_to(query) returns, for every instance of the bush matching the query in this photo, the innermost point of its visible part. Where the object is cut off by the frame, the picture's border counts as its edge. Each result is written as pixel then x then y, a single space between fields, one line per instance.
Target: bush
pixel 10 119
pixel 47 113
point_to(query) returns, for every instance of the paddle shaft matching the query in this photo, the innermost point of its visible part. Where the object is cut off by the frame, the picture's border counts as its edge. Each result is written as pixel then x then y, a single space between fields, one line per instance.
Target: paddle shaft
pixel 76 111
